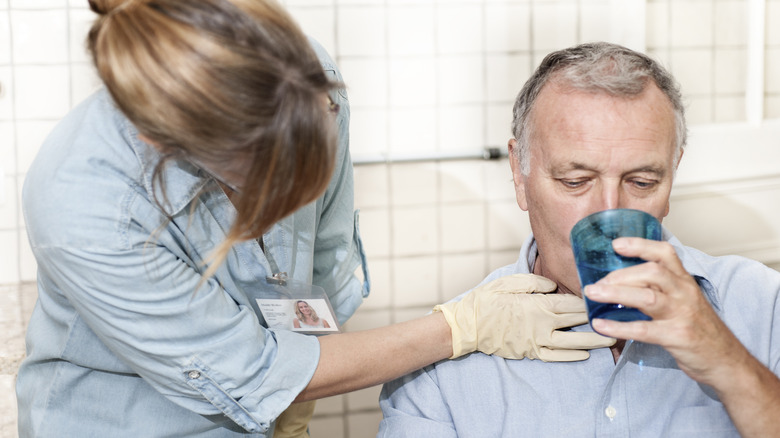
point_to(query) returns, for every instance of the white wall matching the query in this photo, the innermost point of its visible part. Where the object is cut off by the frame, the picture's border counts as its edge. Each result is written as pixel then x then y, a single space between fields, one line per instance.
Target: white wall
pixel 430 78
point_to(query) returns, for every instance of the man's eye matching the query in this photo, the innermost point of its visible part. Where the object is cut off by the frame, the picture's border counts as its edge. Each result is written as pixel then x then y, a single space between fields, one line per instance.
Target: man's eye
pixel 573 183
pixel 643 184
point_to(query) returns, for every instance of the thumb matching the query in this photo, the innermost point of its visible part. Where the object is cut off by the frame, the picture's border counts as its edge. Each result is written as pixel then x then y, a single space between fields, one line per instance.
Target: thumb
pixel 548 355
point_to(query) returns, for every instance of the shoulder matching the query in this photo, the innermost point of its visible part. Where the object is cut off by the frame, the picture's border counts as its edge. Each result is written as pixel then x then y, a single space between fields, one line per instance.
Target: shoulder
pixel 325 59
pixel 516 268
pixel 745 293
pixel 83 172
pixel 728 270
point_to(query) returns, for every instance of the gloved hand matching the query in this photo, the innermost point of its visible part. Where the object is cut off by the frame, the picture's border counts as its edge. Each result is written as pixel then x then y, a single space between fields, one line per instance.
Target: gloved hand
pixel 294 421
pixel 513 318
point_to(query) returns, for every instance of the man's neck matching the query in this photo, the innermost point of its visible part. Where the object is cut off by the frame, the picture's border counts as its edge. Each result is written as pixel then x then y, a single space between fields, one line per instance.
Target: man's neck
pixel 539 269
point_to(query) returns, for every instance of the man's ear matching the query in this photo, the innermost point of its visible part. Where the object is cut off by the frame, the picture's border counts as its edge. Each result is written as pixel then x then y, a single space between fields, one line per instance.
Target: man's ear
pixel 677 165
pixel 517 174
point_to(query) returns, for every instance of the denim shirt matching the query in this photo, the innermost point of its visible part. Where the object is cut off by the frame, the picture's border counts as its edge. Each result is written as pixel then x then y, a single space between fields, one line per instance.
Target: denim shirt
pixel 120 343
pixel 644 394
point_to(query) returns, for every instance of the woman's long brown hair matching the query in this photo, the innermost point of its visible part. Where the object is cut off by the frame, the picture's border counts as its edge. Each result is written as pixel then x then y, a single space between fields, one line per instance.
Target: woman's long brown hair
pixel 223 82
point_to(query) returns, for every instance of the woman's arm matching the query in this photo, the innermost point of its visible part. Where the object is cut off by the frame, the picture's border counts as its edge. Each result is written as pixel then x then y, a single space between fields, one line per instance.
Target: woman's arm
pixel 351 361
pixel 503 317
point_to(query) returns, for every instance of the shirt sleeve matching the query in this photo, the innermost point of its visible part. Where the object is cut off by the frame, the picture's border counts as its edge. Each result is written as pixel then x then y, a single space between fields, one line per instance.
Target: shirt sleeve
pixel 413 406
pixel 194 345
pixel 338 248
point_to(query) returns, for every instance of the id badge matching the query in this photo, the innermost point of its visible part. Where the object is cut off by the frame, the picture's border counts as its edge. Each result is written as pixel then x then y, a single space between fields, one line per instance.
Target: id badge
pixel 297 306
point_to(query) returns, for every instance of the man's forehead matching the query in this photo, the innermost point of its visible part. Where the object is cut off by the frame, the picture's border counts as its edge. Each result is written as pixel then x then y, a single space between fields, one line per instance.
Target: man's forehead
pixel 580 130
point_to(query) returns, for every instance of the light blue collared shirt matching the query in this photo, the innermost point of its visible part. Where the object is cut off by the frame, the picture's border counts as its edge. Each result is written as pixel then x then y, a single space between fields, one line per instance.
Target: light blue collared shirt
pixel 119 343
pixel 644 395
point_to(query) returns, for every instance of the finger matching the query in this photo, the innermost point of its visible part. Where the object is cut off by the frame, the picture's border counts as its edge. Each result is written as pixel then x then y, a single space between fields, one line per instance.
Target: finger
pixel 559 303
pixel 579 340
pixel 521 283
pixel 549 355
pixel 646 299
pixel 564 320
pixel 637 330
pixel 651 251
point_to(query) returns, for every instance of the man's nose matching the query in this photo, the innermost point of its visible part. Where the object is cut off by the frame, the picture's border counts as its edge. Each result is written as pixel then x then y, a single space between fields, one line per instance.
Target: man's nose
pixel 610 197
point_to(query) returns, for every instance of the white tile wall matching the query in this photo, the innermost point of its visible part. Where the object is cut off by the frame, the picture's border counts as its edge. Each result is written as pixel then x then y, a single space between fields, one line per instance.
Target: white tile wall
pixel 506 71
pixel 6 93
pixel 409 30
pixel 29 136
pixel 367 82
pixel 5 39
pixel 7 150
pixel 415 230
pixel 413 82
pixel 460 127
pixel 729 67
pixel 362 31
pixel 40 36
pixel 8 210
pixel 9 269
pixel 554 25
pixel 459 28
pixel 691 23
pixel 35 84
pixel 411 131
pixel 772 18
pixel 424 77
pixel 695 36
pixel 461 79
pixel 37 4
pixel 502 31
pixel 730 23
pixel 462 181
pixel 319 22
pixel 772 59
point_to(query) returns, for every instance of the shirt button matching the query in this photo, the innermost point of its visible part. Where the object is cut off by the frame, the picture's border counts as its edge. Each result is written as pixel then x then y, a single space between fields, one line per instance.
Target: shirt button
pixel 610 412
pixel 193 374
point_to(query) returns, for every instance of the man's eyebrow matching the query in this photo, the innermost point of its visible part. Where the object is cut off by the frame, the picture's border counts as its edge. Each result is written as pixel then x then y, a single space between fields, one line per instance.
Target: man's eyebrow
pixel 569 166
pixel 573 165
pixel 658 170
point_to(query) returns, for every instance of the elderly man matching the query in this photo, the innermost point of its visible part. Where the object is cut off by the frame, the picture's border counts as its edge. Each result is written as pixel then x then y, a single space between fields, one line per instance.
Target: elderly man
pixel 598 127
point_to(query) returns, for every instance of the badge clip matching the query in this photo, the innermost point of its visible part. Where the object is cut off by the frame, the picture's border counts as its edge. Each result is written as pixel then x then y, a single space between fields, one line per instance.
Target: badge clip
pixel 279 278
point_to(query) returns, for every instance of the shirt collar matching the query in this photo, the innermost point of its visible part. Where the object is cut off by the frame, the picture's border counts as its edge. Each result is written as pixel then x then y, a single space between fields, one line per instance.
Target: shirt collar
pixel 692 263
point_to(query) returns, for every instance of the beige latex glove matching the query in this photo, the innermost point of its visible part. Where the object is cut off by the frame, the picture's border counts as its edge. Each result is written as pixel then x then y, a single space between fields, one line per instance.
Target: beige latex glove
pixel 506 318
pixel 294 421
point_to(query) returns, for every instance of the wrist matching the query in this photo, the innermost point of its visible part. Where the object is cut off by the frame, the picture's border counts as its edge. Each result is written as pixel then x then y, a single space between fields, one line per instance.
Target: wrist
pixel 441 335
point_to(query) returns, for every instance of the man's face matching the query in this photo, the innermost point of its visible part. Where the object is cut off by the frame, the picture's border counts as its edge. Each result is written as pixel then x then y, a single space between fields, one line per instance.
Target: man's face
pixel 591 152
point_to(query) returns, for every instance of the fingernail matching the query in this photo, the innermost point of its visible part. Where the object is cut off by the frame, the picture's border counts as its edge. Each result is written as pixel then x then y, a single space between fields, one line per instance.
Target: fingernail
pixel 619 243
pixel 592 291
pixel 598 323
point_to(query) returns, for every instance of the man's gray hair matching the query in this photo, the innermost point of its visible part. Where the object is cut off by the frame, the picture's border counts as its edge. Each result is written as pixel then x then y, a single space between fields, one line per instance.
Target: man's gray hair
pixel 595 67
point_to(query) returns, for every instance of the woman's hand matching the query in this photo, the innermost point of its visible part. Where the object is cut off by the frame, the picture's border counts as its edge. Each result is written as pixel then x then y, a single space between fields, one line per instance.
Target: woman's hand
pixel 516 317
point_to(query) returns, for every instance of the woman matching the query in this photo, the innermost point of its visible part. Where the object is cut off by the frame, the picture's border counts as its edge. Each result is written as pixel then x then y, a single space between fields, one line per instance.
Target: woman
pixel 307 318
pixel 161 208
